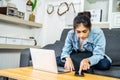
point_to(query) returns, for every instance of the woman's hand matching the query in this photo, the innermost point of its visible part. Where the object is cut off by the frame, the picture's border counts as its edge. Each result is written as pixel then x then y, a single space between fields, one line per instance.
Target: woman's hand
pixel 69 64
pixel 84 65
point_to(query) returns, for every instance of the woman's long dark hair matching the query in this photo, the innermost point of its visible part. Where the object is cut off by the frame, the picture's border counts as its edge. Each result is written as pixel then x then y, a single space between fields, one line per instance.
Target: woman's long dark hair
pixel 82 18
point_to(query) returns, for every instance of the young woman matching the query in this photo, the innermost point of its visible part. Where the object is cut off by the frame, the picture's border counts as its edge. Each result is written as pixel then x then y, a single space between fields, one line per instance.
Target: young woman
pixel 84 46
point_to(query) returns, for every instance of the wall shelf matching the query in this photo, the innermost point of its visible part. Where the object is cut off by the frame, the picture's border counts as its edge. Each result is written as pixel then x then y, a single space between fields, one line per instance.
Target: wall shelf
pixel 16 20
pixel 12 46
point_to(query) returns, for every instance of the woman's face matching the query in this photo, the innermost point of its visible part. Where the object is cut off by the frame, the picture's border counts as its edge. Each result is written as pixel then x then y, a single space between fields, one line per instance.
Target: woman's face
pixel 82 31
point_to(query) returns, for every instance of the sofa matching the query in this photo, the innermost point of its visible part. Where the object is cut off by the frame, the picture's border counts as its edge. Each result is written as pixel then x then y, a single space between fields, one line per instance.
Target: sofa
pixel 112 50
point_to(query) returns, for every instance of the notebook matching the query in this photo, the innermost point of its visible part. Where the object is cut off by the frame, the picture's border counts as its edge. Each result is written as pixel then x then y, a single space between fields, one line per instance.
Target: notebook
pixel 45 60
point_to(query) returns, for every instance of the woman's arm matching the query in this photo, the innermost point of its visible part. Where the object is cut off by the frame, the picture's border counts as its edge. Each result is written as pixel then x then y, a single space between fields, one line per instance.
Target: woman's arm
pixel 67 49
pixel 99 48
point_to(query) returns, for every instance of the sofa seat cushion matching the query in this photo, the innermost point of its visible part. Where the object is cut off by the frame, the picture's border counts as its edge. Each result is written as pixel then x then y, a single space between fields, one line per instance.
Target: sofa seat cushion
pixel 113 72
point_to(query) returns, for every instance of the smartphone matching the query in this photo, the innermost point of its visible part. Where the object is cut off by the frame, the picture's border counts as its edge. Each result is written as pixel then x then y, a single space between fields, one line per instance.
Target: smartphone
pixel 77 74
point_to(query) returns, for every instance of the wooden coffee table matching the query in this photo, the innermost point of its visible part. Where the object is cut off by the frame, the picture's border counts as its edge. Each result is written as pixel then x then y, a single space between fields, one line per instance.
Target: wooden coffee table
pixel 28 73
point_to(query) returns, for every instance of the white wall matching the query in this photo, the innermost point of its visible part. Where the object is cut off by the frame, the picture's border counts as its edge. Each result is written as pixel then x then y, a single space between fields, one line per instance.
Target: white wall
pixel 53 23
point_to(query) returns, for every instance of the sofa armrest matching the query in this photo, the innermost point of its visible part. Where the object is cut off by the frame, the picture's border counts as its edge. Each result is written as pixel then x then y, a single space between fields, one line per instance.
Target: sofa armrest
pixel 25 57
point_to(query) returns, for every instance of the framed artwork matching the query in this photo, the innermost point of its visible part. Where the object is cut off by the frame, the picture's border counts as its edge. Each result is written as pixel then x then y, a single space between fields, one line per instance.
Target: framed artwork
pixel 96 15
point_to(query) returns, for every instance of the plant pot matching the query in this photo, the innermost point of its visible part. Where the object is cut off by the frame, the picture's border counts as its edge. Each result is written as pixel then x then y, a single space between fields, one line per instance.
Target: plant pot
pixel 32 17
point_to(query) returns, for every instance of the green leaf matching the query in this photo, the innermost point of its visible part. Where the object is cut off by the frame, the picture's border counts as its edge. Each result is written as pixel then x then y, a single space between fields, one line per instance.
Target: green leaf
pixel 34 5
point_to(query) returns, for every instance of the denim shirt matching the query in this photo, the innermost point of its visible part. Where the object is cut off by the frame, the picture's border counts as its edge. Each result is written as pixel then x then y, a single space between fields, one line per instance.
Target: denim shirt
pixel 95 42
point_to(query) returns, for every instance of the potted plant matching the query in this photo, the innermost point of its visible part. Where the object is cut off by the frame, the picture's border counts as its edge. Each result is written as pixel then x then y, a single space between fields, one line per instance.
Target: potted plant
pixel 32 16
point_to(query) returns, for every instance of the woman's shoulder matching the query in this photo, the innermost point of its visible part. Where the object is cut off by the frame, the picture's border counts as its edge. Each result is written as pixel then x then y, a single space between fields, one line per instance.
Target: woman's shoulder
pixel 71 31
pixel 96 30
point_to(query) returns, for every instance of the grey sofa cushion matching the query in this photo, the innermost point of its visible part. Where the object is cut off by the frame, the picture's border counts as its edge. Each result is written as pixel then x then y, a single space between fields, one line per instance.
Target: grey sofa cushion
pixel 113 72
pixel 57 46
pixel 113 44
pixel 64 34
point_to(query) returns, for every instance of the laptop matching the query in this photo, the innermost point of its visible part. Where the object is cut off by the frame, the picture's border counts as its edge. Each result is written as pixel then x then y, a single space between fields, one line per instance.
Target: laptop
pixel 45 60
